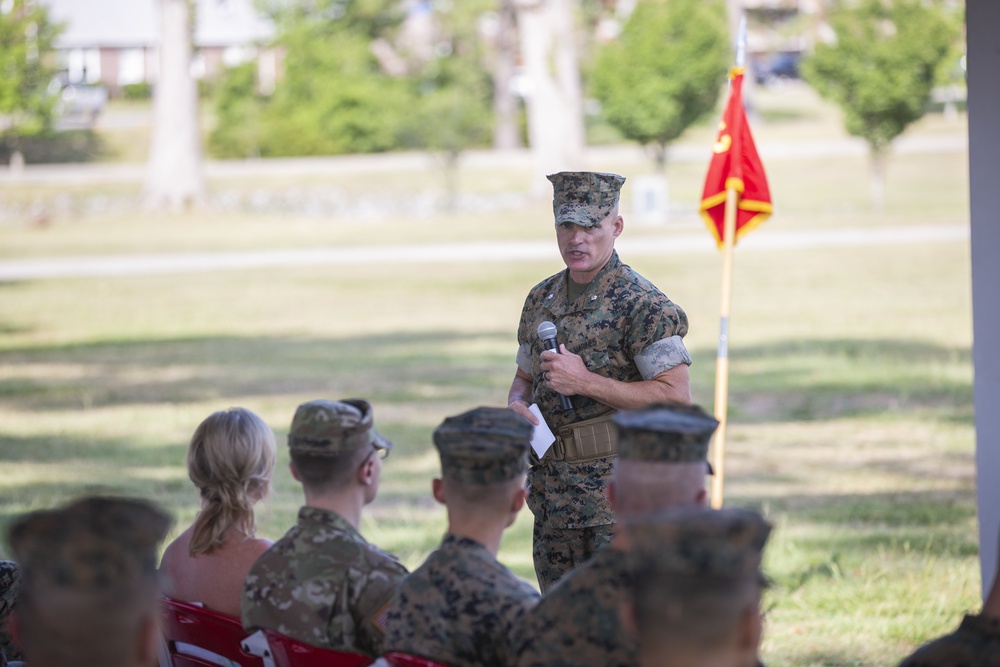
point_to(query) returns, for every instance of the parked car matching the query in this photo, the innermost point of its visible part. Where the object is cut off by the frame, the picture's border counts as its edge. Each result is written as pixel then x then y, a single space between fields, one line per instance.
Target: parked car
pixel 776 68
pixel 78 103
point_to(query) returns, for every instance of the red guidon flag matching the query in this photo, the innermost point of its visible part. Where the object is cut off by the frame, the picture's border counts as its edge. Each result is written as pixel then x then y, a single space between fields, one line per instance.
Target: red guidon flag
pixel 735 164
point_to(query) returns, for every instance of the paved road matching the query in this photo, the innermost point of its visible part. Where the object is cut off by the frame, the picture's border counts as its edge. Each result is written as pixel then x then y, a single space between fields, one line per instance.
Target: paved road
pixel 151 264
pixel 69 174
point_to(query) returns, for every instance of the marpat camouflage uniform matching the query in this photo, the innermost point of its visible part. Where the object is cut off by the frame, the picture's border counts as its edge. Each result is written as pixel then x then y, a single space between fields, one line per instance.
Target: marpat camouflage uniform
pixel 78 557
pixel 976 643
pixel 688 567
pixel 459 608
pixel 577 623
pixel 625 329
pixel 9 583
pixel 322 584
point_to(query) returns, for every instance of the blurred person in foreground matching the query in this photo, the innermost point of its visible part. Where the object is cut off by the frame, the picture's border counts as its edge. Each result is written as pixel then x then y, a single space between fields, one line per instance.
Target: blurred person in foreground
pixel 661 464
pixel 89 589
pixel 323 583
pixel 976 641
pixel 10 582
pixel 696 588
pixel 231 462
pixel 620 348
pixel 460 607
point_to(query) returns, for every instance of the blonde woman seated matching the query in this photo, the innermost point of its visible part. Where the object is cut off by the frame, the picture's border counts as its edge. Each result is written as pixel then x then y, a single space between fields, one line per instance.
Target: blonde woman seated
pixel 230 461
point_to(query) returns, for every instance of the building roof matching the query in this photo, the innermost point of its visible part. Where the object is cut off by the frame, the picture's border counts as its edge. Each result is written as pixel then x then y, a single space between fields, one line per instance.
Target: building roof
pixel 136 23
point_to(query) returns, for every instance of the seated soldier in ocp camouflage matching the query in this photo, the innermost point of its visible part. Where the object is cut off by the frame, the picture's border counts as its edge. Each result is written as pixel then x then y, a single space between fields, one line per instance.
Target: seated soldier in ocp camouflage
pixel 323 583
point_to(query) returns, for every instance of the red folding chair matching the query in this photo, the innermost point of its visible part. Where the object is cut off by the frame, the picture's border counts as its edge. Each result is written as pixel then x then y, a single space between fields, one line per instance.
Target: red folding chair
pixel 199 637
pixel 406 660
pixel 288 652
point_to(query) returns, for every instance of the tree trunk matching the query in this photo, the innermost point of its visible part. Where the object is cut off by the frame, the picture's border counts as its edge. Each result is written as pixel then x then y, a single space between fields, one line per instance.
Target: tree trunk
pixel 16 162
pixel 506 131
pixel 878 155
pixel 555 108
pixel 658 151
pixel 173 178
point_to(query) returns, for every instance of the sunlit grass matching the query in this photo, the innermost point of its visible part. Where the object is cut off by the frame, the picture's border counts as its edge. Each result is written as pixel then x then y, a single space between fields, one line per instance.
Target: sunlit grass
pixel 851 380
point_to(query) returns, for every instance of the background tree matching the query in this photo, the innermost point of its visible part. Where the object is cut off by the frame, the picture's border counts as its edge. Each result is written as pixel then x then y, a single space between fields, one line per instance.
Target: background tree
pixel 880 71
pixel 548 39
pixel 174 179
pixel 332 96
pixel 506 105
pixel 238 110
pixel 454 95
pixel 26 107
pixel 664 72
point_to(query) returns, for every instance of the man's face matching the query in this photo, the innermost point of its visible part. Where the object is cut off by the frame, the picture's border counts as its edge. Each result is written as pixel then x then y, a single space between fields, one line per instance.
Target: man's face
pixel 586 250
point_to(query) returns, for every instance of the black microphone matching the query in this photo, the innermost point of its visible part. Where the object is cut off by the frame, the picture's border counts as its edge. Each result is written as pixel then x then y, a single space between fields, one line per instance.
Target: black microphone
pixel 547 334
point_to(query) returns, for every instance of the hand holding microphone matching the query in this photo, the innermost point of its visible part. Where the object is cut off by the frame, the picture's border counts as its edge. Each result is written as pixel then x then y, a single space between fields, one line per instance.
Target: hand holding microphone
pixel 547 334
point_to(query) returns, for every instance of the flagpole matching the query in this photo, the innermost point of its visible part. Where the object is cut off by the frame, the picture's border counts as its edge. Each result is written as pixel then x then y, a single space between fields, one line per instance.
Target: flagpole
pixel 722 356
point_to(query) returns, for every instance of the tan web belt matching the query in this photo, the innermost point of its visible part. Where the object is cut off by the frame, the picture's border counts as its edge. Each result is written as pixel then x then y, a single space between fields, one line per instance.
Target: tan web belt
pixel 587 440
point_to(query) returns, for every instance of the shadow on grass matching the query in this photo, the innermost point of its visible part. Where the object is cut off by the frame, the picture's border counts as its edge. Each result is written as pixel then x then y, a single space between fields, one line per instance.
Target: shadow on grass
pixel 59 147
pixel 822 379
pixel 405 367
pixel 787 381
pixel 45 471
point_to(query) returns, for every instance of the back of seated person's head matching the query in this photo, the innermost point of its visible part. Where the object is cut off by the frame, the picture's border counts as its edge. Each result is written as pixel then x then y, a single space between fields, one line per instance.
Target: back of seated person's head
pixel 328 473
pixel 231 462
pixel 697 585
pixel 89 588
pixel 484 462
pixel 328 441
pixel 661 459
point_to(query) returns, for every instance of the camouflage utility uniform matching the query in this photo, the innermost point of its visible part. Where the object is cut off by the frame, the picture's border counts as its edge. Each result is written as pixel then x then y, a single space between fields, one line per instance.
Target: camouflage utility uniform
pixel 624 328
pixel 976 643
pixel 459 608
pixel 322 584
pixel 577 623
pixel 9 583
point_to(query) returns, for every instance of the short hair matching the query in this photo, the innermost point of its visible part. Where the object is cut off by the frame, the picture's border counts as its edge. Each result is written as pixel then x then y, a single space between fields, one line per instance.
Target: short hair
pixel 323 473
pixel 231 462
pixel 696 612
pixel 642 487
pixel 492 498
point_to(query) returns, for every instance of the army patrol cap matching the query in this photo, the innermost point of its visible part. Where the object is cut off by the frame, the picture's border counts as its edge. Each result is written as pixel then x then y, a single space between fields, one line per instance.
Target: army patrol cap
pixel 584 197
pixel 699 542
pixel 483 446
pixel 334 427
pixel 92 545
pixel 664 433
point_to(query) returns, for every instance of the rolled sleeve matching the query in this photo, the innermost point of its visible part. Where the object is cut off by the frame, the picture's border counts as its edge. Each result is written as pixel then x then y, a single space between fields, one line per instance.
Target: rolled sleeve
pixel 524 358
pixel 661 356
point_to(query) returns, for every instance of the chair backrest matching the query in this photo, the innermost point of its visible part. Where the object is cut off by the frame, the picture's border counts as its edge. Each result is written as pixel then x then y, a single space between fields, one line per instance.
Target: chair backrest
pixel 288 652
pixel 406 660
pixel 199 637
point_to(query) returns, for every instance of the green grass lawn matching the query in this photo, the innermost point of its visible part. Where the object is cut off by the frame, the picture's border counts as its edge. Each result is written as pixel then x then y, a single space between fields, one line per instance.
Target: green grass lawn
pixel 851 381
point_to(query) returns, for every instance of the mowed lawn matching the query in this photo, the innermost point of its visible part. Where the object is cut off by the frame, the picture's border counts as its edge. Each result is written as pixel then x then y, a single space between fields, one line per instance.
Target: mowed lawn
pixel 851 402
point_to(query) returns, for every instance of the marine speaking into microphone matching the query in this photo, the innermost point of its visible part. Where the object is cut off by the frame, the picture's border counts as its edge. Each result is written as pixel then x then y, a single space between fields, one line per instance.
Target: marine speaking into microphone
pixel 547 334
pixel 621 349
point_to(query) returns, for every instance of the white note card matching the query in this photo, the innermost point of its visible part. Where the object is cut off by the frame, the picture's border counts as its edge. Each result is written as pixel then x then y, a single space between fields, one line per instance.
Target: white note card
pixel 541 438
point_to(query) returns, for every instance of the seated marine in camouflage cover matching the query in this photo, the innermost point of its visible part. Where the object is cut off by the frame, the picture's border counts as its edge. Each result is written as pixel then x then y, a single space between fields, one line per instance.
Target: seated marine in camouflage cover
pixel 661 464
pixel 89 588
pixel 460 606
pixel 696 587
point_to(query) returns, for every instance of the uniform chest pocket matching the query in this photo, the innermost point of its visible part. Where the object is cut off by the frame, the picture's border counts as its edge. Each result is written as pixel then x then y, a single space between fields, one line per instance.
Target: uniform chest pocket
pixel 595 358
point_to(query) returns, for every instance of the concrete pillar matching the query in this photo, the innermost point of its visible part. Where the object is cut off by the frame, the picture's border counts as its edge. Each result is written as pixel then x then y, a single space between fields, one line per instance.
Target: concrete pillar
pixel 983 35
